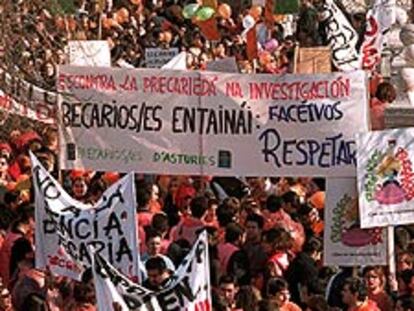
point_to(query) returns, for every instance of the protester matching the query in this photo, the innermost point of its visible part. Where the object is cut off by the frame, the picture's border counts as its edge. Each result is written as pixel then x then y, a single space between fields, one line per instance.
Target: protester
pixel 355 296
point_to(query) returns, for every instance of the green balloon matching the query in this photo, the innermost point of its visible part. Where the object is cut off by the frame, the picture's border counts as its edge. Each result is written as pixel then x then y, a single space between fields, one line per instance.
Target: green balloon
pixel 190 10
pixel 205 13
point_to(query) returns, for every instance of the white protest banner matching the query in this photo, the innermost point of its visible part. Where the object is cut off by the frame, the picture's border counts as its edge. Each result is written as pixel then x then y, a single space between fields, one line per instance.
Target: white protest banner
pixel 385 177
pixel 345 243
pixel 179 62
pixel 189 288
pixel 66 228
pixel 26 99
pixel 157 57
pixel 380 18
pixel 89 53
pixel 157 121
pixel 342 37
pixel 42 113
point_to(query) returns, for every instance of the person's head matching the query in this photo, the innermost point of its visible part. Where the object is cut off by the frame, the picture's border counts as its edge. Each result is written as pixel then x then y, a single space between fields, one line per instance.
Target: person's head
pixel 313 247
pixel 198 207
pixel 254 227
pixel 5 298
pixel 4 164
pixel 405 261
pixel 25 222
pixel 234 234
pixel 386 92
pixel 246 299
pixel 405 304
pixel 79 187
pixel 273 203
pixel 157 271
pixel 316 303
pixel 153 242
pixel 276 239
pixel 211 210
pixel 84 292
pixel 354 291
pixel 143 194
pixel 291 201
pixel 228 289
pixel 374 278
pixel 278 291
pixel 160 223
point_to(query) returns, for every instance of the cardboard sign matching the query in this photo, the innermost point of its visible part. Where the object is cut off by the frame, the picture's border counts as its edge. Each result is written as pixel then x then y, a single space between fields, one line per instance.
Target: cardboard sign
pixel 345 243
pixel 313 60
pixel 157 121
pixel 89 53
pixel 157 57
pixel 188 289
pixel 66 228
pixel 385 177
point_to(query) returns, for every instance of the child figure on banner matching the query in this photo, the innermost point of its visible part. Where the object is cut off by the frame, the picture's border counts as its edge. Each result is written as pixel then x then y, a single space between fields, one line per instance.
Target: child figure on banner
pixel 390 192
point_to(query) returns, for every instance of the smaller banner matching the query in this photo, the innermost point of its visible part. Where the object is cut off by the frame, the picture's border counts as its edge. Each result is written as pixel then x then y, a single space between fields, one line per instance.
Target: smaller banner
pixel 341 36
pixel 89 53
pixel 345 243
pixel 380 18
pixel 35 110
pixel 385 177
pixel 189 289
pixel 67 228
pixel 157 57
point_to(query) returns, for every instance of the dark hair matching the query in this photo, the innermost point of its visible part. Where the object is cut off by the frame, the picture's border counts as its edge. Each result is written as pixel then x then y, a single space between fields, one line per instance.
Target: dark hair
pixel 81 293
pixel 257 219
pixel 156 263
pixel 227 279
pixel 312 245
pixel 317 303
pixel 279 238
pixel 198 207
pixel 143 193
pixel 291 197
pixel 386 92
pixel 275 285
pixel 160 222
pixel 273 203
pixel 233 232
pixel 357 286
pixel 246 299
pixel 150 234
pixel 407 303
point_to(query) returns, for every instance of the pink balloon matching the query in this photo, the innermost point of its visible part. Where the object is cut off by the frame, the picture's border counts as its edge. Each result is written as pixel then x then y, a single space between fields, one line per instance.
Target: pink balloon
pixel 271 45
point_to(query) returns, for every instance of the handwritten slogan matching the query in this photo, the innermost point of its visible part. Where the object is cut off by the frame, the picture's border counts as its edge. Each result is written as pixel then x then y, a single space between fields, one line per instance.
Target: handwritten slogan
pixel 154 121
pixel 66 228
pixel 189 287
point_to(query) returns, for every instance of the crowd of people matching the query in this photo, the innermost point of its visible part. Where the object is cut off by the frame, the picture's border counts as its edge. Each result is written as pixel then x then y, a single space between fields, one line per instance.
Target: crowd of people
pixel 265 234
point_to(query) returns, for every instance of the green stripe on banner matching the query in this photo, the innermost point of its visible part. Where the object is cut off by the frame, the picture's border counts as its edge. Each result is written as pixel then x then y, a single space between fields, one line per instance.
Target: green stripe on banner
pixel 286 7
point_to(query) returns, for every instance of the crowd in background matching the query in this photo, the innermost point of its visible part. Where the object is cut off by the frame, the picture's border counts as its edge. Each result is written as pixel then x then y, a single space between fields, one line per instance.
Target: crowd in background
pixel 265 234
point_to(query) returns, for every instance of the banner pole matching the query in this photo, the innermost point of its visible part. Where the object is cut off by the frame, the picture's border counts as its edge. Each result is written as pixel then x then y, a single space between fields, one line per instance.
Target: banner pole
pixel 391 252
